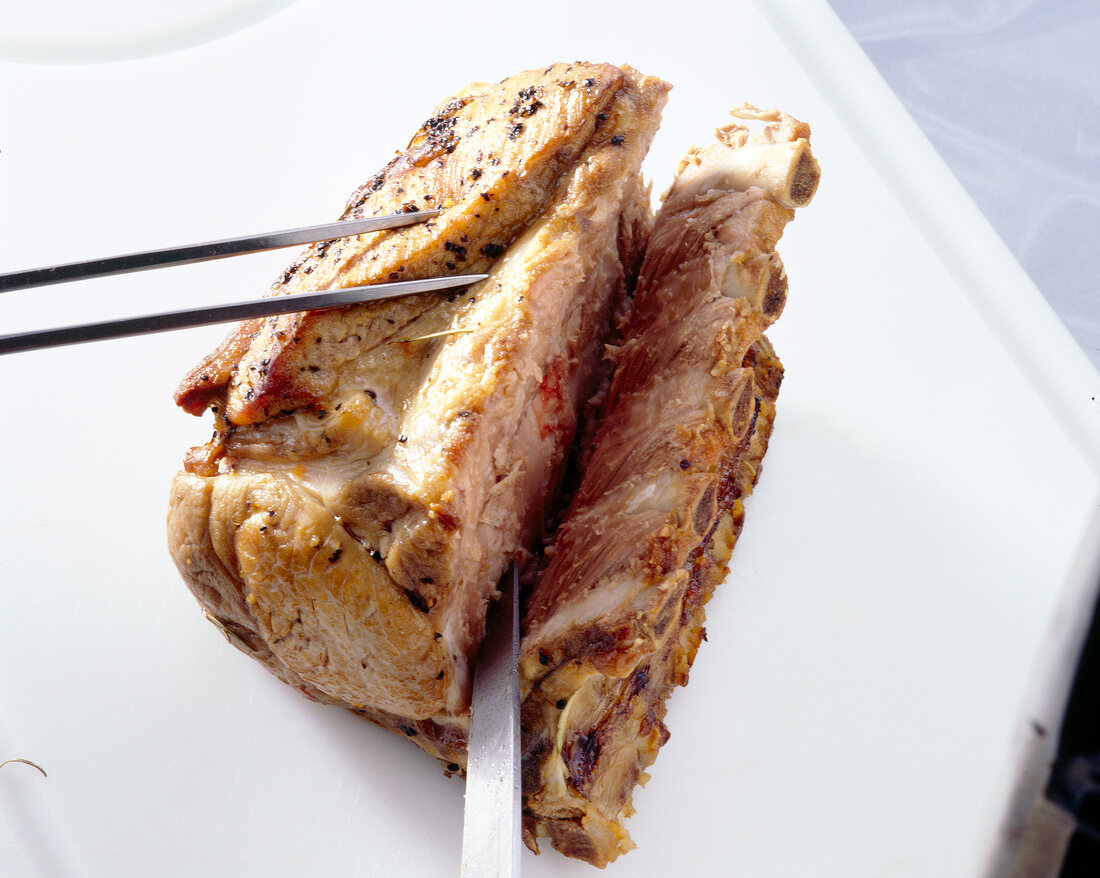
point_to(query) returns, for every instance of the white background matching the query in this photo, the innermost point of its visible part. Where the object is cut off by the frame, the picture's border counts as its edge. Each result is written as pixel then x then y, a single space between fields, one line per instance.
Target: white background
pixel 1006 92
pixel 854 711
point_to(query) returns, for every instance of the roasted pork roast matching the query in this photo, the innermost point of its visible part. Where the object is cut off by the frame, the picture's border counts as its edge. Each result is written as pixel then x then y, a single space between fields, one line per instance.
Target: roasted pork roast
pixel 375 468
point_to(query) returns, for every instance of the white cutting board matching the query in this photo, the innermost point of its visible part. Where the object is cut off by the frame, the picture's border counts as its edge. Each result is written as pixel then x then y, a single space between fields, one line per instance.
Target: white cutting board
pixel 934 467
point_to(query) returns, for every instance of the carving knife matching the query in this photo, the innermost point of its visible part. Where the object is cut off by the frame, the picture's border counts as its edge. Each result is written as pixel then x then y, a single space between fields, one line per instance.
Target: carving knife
pixel 491 824
pixel 219 249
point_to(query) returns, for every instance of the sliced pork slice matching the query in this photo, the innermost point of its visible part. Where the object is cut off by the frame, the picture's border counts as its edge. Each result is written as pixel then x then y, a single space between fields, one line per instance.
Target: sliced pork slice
pixel 616 617
pixel 374 469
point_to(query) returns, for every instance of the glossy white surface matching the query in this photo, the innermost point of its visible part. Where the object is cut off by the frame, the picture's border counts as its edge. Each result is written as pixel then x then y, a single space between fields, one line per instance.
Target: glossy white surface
pixel 854 710
pixel 65 32
pixel 1007 93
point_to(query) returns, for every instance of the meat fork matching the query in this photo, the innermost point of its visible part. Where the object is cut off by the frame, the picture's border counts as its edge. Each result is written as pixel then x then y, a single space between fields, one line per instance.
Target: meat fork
pixel 219 249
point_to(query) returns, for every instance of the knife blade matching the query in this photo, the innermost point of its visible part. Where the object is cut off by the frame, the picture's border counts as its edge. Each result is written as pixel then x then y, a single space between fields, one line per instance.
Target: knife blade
pixel 189 254
pixel 491 839
pixel 165 321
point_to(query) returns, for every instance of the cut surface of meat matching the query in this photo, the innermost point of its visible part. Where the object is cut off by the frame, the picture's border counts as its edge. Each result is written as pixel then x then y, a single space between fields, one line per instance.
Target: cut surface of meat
pixel 615 618
pixel 375 468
